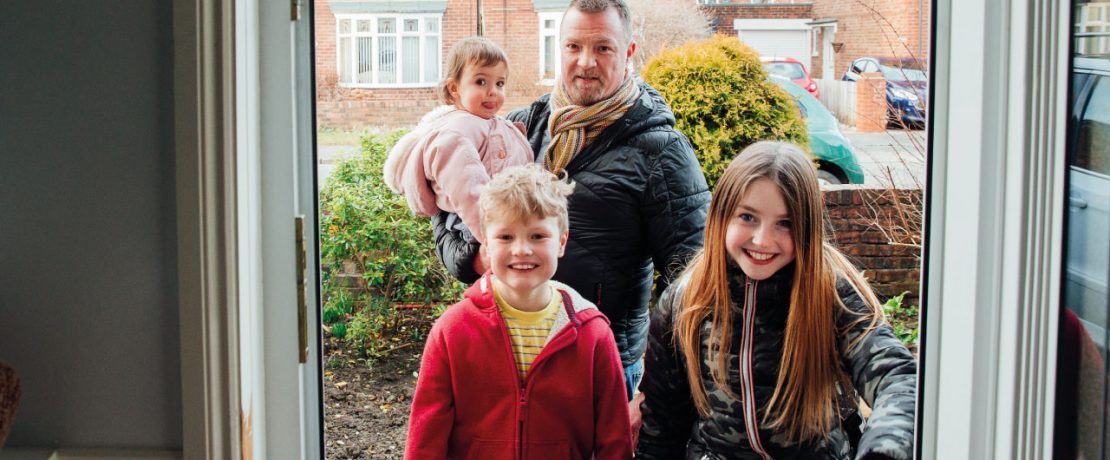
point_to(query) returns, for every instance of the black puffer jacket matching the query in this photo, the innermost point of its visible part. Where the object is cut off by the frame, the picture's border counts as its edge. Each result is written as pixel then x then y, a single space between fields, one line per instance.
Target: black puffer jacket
pixel 639 202
pixel 880 367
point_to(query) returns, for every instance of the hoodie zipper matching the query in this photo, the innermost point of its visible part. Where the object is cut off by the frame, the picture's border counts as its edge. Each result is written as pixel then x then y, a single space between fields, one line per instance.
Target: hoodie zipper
pixel 522 402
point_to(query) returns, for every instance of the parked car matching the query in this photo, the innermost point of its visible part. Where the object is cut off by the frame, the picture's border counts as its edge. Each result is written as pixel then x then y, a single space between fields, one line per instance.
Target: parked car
pixel 836 162
pixel 791 69
pixel 907 87
pixel 1087 259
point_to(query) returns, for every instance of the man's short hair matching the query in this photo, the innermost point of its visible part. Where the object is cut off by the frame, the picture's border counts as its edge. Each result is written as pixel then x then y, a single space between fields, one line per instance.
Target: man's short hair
pixel 597 6
pixel 522 192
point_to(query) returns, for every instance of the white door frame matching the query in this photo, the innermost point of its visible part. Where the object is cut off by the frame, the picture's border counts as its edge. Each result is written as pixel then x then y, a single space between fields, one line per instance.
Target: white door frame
pixel 244 169
pixel 994 219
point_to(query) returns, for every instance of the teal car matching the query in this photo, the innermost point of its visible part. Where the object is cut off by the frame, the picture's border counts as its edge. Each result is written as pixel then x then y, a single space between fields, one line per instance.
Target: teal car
pixel 836 162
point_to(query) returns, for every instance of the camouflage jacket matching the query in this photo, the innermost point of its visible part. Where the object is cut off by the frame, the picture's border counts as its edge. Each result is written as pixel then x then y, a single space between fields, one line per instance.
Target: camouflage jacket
pixel 880 367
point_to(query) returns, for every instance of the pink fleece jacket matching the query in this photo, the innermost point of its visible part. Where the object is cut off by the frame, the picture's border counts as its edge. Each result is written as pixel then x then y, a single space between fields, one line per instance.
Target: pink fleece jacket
pixel 444 161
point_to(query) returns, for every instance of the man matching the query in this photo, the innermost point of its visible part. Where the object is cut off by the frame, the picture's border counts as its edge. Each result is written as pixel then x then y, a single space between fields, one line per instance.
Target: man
pixel 640 201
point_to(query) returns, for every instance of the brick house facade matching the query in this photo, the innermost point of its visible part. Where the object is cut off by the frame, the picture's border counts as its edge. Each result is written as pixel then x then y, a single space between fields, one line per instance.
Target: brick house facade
pixel 512 24
pixel 854 28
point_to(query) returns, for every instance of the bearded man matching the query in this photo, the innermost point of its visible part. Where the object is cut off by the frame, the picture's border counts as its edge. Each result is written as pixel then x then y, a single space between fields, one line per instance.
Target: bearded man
pixel 640 198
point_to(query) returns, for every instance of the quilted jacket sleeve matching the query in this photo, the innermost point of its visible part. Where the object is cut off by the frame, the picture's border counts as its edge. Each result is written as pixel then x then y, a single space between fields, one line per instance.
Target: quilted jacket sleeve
pixel 676 205
pixel 668 412
pixel 885 374
pixel 456 253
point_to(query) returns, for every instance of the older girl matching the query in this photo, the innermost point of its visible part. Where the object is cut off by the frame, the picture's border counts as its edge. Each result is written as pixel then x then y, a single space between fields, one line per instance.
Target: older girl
pixel 757 350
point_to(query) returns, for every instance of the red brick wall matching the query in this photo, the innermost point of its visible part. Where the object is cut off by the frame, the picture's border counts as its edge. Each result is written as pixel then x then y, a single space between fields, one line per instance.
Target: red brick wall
pixel 890 268
pixel 723 14
pixel 896 28
pixel 871 103
pixel 513 24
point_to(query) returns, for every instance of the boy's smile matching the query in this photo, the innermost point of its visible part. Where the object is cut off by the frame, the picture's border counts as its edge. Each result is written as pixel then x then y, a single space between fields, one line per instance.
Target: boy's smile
pixel 523 255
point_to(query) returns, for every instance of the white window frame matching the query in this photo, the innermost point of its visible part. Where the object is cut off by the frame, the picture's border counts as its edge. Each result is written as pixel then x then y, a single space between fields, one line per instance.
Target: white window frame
pixel 351 59
pixel 557 16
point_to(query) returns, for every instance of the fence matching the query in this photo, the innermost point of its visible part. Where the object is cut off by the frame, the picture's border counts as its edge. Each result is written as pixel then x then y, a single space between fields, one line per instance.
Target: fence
pixel 840 98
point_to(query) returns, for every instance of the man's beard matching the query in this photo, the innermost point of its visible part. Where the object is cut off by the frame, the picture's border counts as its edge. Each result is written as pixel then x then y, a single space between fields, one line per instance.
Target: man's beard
pixel 589 95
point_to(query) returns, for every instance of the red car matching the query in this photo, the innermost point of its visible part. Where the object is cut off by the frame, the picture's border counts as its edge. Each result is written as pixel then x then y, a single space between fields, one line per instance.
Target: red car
pixel 791 69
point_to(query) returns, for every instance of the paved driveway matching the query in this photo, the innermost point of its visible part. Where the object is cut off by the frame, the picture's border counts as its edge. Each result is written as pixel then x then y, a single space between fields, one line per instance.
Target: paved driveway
pixel 892 157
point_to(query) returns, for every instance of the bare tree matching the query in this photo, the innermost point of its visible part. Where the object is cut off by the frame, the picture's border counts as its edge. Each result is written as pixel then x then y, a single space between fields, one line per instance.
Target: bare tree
pixel 660 24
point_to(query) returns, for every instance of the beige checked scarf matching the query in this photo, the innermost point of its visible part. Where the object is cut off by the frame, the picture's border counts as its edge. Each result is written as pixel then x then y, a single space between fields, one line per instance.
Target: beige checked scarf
pixel 573 127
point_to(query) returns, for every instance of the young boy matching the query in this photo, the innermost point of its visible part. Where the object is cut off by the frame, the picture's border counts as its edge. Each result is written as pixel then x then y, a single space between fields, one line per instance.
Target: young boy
pixel 523 367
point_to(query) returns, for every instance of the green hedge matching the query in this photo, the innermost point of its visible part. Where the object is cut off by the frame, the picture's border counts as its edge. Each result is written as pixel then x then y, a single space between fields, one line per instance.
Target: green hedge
pixel 365 228
pixel 722 100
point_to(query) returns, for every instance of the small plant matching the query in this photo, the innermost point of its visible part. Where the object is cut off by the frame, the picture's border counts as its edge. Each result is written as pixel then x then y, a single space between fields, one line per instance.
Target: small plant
pixel 903 319
pixel 376 255
pixel 722 100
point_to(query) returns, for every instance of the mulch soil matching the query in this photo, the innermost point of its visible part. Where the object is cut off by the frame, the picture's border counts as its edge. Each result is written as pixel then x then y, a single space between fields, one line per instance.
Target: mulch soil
pixel 366 402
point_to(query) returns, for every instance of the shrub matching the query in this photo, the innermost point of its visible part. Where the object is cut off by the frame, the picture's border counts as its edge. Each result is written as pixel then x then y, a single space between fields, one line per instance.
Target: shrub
pixel 367 229
pixel 903 319
pixel 722 100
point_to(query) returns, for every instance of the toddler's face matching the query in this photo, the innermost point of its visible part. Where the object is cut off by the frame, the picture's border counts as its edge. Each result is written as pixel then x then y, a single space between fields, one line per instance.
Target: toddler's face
pixel 481 90
pixel 759 237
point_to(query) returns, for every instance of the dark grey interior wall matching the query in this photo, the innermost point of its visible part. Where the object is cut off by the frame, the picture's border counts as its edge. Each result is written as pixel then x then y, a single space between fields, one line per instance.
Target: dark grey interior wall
pixel 88 276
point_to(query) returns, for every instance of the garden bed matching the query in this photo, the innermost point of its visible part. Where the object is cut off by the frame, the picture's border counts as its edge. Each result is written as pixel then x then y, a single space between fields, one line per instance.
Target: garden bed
pixel 366 403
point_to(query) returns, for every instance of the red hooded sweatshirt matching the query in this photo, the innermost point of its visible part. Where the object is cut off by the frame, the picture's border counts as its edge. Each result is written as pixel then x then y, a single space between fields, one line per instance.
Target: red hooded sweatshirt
pixel 471 404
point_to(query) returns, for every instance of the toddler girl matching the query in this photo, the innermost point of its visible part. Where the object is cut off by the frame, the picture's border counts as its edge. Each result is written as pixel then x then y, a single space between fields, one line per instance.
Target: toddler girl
pixel 457 147
pixel 756 352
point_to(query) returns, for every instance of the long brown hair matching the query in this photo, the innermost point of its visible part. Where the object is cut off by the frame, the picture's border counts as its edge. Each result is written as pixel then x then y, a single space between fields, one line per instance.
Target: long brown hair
pixel 803 405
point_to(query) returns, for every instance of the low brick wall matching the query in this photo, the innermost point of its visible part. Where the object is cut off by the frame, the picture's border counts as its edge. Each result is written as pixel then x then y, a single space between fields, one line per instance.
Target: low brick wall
pixel 855 214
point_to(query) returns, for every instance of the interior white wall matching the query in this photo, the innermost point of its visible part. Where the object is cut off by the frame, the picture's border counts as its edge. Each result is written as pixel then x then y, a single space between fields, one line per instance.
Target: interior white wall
pixel 88 283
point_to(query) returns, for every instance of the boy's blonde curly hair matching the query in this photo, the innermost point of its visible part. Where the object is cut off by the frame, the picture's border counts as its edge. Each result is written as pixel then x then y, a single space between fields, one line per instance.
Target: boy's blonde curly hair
pixel 521 192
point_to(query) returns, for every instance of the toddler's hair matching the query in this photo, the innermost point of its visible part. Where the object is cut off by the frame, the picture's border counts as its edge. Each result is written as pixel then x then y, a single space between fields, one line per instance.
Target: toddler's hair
pixel 522 192
pixel 478 51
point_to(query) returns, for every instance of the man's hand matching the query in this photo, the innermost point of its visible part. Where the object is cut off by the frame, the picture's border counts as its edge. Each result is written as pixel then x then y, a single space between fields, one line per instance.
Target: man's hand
pixel 634 416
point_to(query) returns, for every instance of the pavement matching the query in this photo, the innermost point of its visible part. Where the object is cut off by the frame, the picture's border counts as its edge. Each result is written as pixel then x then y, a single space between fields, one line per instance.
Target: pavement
pixel 328 157
pixel 894 157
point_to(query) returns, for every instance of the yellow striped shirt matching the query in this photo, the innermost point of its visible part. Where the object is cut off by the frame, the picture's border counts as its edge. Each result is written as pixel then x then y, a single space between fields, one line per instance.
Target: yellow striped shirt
pixel 528 330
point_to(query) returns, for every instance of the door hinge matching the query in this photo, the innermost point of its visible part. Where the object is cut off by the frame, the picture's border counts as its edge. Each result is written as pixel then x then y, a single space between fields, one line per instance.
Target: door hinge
pixel 295 10
pixel 302 294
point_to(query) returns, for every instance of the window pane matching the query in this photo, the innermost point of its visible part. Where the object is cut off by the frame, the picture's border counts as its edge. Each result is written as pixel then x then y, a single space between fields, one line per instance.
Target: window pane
pixel 431 24
pixel 412 25
pixel 345 26
pixel 387 25
pixel 1093 148
pixel 549 50
pixel 431 59
pixel 410 54
pixel 364 60
pixel 1081 428
pixel 364 26
pixel 549 24
pixel 344 58
pixel 387 60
